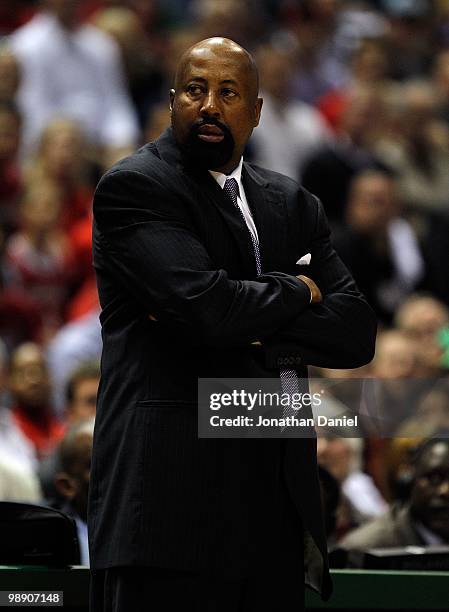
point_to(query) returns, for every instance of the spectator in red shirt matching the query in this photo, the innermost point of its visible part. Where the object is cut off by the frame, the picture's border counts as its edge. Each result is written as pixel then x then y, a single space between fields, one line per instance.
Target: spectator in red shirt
pixel 29 386
pixel 61 160
pixel 37 257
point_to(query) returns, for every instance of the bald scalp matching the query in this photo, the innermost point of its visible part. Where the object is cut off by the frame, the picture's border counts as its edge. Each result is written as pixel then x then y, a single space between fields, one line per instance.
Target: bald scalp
pixel 222 48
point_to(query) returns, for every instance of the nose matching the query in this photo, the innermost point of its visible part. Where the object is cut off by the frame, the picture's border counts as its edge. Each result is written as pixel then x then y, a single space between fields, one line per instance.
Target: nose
pixel 210 106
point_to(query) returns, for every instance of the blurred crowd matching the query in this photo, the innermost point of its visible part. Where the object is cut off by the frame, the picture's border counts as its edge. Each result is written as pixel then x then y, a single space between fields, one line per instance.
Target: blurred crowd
pixel 356 108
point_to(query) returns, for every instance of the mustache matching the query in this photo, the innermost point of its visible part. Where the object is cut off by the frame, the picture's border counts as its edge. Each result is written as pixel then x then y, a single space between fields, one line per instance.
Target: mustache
pixel 199 123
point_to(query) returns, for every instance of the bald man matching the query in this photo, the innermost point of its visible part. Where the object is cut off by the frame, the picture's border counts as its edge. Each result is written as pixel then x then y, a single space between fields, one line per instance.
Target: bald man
pixel 195 253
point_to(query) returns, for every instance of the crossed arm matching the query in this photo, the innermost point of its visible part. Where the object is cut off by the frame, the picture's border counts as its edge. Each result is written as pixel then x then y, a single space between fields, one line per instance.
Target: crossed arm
pixel 152 251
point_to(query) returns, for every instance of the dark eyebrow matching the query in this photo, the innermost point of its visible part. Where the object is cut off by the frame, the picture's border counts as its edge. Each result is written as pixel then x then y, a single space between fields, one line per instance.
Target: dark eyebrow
pixel 228 81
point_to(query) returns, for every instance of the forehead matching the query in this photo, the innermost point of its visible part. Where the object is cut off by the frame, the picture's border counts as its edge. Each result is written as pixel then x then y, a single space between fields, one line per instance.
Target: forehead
pixel 208 65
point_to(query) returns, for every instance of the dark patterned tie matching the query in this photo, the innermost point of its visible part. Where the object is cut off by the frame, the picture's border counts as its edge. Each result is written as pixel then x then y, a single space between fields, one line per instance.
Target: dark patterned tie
pixel 289 378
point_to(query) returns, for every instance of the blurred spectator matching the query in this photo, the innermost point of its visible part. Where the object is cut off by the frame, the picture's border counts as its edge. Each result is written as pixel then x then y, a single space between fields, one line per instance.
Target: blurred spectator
pixel 394 395
pixel 17 452
pixel 61 159
pixel 9 74
pixel 10 172
pixel 341 458
pixel 143 75
pixel 398 464
pixel 410 37
pixel 368 68
pixel 30 390
pixel 419 153
pixel 73 69
pixel 330 493
pixel 81 400
pixel 328 172
pixel 17 485
pixel 38 258
pixel 72 481
pixel 85 297
pixel 240 20
pixel 424 520
pixel 289 131
pixel 396 356
pixel 72 346
pixel 421 318
pixel 157 121
pixel 378 245
pixel 81 392
pixel 327 33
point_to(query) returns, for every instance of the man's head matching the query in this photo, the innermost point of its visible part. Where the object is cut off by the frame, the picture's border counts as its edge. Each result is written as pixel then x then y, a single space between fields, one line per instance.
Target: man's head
pixel 81 392
pixel 430 492
pixel 215 104
pixel 75 453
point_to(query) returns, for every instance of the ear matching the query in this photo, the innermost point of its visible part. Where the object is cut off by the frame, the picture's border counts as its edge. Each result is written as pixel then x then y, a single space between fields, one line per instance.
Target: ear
pixel 257 111
pixel 66 485
pixel 172 98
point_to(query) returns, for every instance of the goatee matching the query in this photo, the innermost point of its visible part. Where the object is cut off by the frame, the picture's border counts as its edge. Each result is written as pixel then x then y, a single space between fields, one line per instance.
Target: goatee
pixel 208 155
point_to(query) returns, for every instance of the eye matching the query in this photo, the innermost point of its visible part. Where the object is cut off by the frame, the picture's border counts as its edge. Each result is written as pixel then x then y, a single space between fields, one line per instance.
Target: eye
pixel 228 93
pixel 194 89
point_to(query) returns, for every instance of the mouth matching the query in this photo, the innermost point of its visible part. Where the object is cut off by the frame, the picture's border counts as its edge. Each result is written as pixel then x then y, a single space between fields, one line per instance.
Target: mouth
pixel 210 133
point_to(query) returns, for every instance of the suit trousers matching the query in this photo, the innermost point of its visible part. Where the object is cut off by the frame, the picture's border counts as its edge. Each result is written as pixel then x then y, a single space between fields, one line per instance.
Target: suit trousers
pixel 159 590
pixel 274 580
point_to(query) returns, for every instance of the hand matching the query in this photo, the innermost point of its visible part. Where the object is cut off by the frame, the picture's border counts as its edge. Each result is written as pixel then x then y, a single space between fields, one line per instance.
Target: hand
pixel 314 290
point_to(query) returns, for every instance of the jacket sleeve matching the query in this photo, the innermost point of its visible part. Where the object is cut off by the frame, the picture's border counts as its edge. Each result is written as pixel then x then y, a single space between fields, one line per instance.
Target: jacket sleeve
pixel 340 331
pixel 150 248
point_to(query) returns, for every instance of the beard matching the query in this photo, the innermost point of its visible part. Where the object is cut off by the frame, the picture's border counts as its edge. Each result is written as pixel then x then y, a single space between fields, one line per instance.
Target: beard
pixel 208 155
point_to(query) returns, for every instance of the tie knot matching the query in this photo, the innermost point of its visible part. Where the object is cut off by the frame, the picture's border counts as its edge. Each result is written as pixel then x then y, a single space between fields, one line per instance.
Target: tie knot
pixel 231 188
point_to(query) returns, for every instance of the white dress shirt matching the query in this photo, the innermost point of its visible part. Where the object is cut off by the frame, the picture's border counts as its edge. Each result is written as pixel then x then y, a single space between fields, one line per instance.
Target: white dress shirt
pixel 241 198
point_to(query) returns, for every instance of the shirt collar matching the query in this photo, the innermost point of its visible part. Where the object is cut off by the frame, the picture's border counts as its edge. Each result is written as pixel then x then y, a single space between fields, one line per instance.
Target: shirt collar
pixel 237 174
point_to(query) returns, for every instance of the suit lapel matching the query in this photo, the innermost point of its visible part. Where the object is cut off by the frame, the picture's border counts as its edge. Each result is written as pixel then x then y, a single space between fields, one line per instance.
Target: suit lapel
pixel 202 185
pixel 269 210
pixel 267 205
pixel 232 219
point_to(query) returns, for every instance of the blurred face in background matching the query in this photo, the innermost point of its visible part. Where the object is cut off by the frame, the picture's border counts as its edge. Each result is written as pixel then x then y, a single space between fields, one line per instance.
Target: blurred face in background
pixel 361 115
pixel 430 493
pixel 61 149
pixel 372 202
pixel 370 61
pixel 421 319
pixel 84 401
pixel 276 70
pixel 395 356
pixel 73 482
pixel 41 209
pixel 29 381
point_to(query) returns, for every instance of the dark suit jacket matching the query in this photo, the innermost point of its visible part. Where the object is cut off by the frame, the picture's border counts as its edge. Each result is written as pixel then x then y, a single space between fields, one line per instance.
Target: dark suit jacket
pixel 168 242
